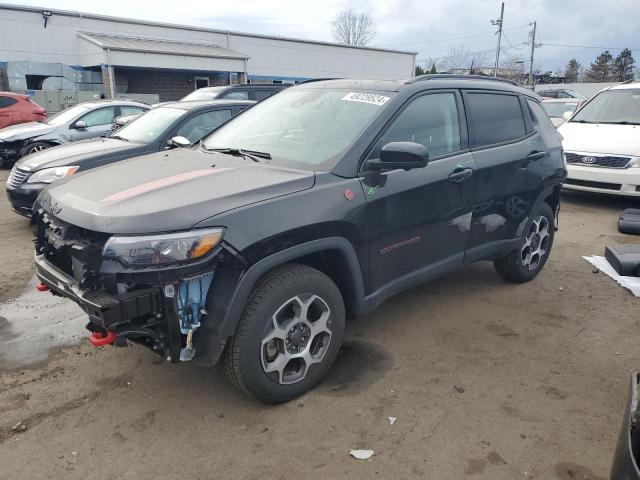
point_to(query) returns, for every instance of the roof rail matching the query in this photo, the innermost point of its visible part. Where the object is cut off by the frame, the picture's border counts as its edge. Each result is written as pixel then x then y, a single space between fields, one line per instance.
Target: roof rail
pixel 438 76
pixel 317 80
pixel 631 80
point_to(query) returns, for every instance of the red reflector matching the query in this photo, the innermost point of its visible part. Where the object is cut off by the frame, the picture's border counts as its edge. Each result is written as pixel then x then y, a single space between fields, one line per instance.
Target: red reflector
pixel 98 339
pixel 41 287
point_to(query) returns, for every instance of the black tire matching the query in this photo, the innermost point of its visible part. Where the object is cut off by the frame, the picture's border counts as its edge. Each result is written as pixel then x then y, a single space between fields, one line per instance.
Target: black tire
pixel 243 356
pixel 34 147
pixel 512 266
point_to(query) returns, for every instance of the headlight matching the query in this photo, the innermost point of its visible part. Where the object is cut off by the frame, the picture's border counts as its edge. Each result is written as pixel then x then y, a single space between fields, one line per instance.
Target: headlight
pixel 162 250
pixel 49 175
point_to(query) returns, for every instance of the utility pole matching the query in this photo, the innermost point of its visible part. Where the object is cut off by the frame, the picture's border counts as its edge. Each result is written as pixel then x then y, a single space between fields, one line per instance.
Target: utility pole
pixel 499 24
pixel 534 45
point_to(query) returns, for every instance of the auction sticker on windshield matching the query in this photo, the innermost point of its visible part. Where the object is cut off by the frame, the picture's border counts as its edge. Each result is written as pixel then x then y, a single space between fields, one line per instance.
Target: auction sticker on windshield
pixel 366 98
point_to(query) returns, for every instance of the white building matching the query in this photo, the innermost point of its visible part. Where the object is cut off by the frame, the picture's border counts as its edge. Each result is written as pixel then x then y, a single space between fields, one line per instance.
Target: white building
pixel 43 49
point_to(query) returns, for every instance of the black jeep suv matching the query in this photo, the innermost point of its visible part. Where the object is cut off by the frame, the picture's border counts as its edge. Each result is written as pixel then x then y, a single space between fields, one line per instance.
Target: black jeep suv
pixel 317 203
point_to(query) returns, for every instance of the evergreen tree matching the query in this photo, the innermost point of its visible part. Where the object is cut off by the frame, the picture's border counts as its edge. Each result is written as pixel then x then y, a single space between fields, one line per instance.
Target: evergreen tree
pixel 623 66
pixel 419 71
pixel 602 69
pixel 572 71
pixel 433 68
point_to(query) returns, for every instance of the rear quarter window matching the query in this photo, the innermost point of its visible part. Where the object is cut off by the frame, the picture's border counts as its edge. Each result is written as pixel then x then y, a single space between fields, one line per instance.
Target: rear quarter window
pixel 494 118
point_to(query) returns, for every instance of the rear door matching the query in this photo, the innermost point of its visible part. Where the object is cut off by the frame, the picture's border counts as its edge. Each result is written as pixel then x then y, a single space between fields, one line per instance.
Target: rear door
pixel 507 150
pixel 419 219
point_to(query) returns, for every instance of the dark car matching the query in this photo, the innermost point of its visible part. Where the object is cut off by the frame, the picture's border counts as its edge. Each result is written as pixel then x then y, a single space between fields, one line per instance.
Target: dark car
pixel 16 108
pixel 627 454
pixel 151 132
pixel 317 203
pixel 561 93
pixel 243 91
pixel 80 122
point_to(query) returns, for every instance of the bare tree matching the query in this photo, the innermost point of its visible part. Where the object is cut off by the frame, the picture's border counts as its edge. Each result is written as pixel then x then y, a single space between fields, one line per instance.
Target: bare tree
pixel 458 57
pixel 353 28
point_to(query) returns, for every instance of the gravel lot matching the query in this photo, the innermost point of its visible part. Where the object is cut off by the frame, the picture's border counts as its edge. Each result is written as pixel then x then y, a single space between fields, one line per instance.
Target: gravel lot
pixel 488 380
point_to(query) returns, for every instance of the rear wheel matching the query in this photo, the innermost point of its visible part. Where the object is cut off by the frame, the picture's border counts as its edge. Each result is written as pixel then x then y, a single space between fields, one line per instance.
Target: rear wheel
pixel 526 261
pixel 289 334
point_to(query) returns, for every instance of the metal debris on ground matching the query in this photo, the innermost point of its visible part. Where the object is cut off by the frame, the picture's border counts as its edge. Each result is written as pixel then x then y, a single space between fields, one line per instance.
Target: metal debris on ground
pixel 361 454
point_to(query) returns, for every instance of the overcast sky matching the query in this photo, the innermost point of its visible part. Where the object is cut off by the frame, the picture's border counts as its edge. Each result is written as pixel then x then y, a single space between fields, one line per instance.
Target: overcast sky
pixel 430 28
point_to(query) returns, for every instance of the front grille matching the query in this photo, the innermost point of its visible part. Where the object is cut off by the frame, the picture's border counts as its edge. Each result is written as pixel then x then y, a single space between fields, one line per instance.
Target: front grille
pixel 608 161
pixel 588 183
pixel 17 176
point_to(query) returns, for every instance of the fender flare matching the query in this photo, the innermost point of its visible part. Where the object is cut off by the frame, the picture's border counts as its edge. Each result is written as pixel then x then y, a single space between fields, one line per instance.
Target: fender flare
pixel 226 326
pixel 258 269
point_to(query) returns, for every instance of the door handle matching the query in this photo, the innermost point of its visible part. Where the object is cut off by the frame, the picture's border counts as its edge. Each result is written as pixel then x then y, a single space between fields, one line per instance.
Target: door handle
pixel 458 175
pixel 536 155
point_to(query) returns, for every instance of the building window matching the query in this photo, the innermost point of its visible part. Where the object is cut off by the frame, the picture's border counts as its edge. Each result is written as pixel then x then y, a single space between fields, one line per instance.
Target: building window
pixel 200 82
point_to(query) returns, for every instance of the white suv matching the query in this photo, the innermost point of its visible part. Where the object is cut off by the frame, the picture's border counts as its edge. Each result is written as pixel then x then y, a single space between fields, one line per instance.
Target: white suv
pixel 602 142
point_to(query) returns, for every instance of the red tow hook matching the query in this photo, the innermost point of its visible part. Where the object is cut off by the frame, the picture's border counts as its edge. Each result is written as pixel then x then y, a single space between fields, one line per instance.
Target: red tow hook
pixel 41 287
pixel 98 339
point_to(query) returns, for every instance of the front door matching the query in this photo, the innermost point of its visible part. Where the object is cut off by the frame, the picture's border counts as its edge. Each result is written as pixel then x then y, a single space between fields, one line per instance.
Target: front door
pixel 419 219
pixel 98 122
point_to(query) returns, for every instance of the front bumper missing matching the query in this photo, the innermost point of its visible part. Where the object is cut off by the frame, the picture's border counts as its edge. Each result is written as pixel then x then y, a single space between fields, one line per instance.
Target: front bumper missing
pixel 105 311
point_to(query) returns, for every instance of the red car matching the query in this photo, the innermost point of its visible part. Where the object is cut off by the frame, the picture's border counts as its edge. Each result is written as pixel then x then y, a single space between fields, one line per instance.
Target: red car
pixel 16 108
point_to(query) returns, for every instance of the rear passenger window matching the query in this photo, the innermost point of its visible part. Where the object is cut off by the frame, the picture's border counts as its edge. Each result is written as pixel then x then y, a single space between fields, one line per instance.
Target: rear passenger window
pixel 494 118
pixel 261 94
pixel 7 102
pixel 237 95
pixel 431 120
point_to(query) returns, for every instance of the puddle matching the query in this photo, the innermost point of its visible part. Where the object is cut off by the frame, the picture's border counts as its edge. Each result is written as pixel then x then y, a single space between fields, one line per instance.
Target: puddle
pixel 359 365
pixel 34 323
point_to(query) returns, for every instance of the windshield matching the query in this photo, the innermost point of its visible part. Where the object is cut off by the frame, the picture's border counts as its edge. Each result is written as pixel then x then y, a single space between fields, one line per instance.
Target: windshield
pixel 65 116
pixel 554 109
pixel 612 106
pixel 303 128
pixel 204 94
pixel 151 125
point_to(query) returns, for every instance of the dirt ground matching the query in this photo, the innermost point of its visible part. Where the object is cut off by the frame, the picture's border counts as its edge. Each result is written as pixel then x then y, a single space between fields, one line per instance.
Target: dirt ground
pixel 488 380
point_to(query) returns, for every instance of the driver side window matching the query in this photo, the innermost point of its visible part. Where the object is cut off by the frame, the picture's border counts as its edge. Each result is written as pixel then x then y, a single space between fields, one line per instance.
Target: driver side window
pixel 102 116
pixel 431 120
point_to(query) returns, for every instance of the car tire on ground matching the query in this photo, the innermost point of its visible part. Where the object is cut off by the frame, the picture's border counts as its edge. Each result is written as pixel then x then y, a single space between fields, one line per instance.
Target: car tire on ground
pixel 526 261
pixel 34 147
pixel 288 336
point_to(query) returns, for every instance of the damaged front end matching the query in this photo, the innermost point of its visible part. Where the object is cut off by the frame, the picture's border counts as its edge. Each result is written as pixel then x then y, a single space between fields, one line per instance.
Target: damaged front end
pixel 150 289
pixel 10 152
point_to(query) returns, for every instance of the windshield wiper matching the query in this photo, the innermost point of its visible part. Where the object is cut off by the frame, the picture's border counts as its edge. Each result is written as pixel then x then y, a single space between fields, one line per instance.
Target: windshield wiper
pixel 581 121
pixel 240 152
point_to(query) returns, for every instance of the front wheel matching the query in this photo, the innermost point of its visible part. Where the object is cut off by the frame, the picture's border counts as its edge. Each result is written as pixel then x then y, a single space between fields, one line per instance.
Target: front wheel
pixel 288 336
pixel 35 148
pixel 526 261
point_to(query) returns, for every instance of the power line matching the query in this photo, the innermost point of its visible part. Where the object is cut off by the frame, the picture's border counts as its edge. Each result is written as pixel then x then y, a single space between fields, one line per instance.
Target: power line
pixel 587 46
pixel 443 40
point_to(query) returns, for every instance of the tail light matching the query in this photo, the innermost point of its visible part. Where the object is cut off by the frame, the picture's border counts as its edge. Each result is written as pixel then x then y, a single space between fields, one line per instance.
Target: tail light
pixel 40 111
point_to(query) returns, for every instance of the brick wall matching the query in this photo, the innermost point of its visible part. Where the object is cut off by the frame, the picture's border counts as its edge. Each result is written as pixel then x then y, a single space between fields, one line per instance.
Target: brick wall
pixel 169 85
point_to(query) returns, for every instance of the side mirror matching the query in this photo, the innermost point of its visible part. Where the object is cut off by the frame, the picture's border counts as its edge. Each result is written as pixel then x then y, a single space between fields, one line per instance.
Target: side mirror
pixel 80 125
pixel 567 116
pixel 405 155
pixel 179 142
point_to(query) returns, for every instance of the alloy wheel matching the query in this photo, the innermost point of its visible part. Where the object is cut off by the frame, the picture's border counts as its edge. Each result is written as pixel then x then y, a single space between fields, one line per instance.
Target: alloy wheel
pixel 536 243
pixel 296 337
